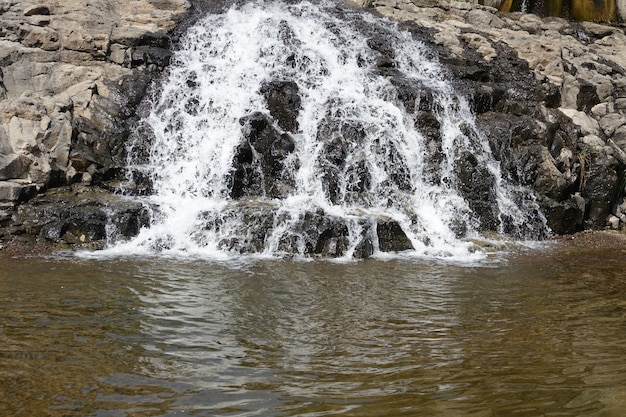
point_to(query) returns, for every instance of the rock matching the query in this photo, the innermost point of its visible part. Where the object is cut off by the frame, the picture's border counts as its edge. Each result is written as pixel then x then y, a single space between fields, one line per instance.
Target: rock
pixel 283 102
pixel 611 122
pixel 58 84
pixel 73 74
pixel 13 192
pixel 261 162
pixel 476 185
pixel 80 216
pixel 364 249
pixel 549 95
pixel 36 10
pixel 391 237
pixel 613 222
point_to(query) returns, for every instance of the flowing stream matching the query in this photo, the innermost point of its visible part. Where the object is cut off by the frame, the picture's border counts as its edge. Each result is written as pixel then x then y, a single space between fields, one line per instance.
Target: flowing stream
pixel 369 152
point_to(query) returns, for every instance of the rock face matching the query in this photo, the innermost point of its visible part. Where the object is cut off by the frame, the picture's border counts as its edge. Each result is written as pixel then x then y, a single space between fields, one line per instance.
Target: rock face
pixel 549 95
pixel 71 77
pixel 72 74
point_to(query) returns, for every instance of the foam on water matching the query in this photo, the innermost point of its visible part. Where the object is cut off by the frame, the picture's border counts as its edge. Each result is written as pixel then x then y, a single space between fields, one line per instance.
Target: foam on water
pixel 215 79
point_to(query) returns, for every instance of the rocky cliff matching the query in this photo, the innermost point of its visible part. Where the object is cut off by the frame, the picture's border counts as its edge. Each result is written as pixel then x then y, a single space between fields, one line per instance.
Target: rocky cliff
pixel 71 76
pixel 550 96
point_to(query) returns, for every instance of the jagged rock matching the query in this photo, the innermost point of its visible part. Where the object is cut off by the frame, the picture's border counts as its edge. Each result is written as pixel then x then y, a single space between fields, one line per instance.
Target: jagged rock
pixel 540 64
pixel 15 191
pixel 59 81
pixel 283 102
pixel 476 185
pixel 80 216
pixel 364 249
pixel 547 91
pixel 72 76
pixel 391 237
pixel 261 161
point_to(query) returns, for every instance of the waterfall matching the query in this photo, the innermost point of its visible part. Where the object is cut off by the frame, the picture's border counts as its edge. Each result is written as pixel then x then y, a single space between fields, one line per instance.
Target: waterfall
pixel 309 130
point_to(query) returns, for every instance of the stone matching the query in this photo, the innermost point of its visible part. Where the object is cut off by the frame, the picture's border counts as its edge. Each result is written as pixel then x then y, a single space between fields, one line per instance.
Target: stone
pixel 391 237
pixel 79 216
pixel 476 185
pixel 483 19
pixel 619 137
pixel 613 222
pixel 546 91
pixel 596 30
pixel 36 10
pixel 260 162
pixel 611 122
pixel 14 191
pixel 283 102
pixel 14 166
pixel 587 124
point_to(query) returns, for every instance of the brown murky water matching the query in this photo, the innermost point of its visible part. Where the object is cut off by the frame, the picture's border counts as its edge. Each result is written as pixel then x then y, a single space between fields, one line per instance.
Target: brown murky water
pixel 542 334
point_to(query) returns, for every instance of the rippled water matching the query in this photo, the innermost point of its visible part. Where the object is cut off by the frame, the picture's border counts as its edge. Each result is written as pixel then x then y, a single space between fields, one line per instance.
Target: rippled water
pixel 537 334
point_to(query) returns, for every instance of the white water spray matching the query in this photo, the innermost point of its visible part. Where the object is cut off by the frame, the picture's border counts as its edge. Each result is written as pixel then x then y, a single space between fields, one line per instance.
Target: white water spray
pixel 388 172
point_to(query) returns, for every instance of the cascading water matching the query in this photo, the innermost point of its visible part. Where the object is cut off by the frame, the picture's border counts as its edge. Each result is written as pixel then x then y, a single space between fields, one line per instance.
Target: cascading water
pixel 290 130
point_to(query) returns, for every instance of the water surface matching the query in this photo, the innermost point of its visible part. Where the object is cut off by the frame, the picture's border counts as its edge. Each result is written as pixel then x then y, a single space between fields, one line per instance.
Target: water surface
pixel 540 333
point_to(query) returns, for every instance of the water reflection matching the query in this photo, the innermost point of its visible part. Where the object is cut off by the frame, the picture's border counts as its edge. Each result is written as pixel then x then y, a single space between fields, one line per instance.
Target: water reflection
pixel 541 335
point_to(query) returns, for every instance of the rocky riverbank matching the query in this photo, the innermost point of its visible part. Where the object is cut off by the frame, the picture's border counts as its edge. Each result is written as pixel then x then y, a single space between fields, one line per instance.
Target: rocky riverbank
pixel 550 96
pixel 71 77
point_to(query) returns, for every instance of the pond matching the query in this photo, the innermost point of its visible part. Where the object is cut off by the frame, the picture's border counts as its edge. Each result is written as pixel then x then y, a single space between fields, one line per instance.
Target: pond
pixel 537 332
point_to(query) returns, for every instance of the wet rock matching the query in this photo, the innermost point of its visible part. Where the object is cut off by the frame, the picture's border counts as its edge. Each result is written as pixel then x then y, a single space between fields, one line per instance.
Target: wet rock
pixel 79 216
pixel 364 249
pixel 261 162
pixel 476 185
pixel 283 102
pixel 516 69
pixel 325 236
pixel 391 237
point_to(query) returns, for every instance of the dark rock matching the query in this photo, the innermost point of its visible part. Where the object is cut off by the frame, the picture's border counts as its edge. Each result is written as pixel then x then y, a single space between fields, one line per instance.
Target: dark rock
pixel 600 190
pixel 80 216
pixel 476 184
pixel 364 249
pixel 37 10
pixel 391 237
pixel 324 235
pixel 564 217
pixel 149 55
pixel 260 160
pixel 587 97
pixel 283 102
